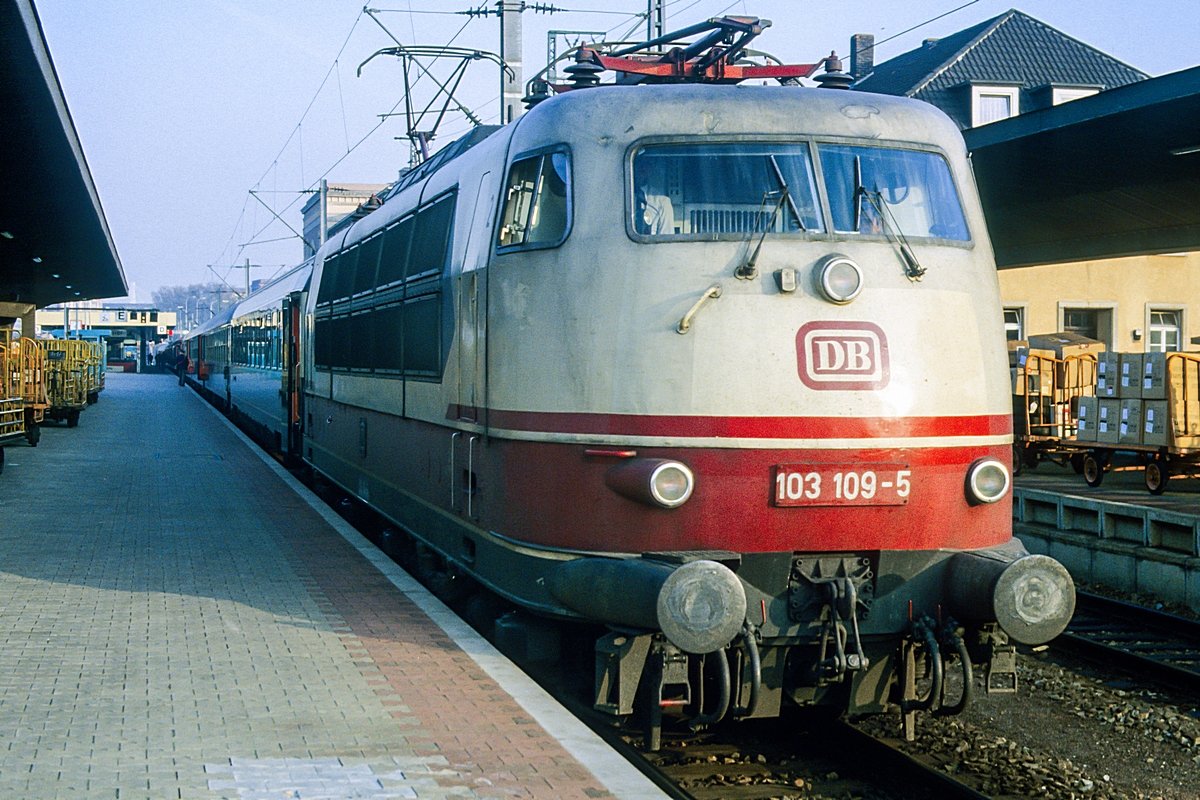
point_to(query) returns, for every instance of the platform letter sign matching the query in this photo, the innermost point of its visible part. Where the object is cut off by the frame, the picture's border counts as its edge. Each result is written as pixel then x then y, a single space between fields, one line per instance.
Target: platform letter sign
pixel 842 356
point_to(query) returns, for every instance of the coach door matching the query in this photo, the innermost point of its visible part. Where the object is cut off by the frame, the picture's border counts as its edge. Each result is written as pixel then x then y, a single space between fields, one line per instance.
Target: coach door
pixel 290 391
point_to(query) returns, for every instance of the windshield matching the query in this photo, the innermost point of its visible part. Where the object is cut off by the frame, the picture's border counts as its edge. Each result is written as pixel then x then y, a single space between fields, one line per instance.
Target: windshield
pixel 711 189
pixel 915 189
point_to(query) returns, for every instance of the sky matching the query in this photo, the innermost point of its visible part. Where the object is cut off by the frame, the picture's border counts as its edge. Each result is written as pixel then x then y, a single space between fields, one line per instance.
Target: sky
pixel 184 107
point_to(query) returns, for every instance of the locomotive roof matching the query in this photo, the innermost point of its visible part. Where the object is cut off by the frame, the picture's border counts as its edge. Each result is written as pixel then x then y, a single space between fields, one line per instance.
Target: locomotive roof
pixel 621 114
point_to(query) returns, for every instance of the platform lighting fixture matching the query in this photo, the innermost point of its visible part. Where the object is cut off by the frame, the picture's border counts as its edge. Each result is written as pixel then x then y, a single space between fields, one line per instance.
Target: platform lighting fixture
pixel 1186 151
pixel 37 259
pixel 53 274
pixel 6 234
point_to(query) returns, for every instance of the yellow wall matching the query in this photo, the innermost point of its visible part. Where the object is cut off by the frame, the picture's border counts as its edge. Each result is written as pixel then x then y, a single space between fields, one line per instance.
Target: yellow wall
pixel 1133 285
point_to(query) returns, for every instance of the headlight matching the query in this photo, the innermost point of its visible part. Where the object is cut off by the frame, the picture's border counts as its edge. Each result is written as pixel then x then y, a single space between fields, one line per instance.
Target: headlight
pixel 671 484
pixel 987 481
pixel 654 481
pixel 838 279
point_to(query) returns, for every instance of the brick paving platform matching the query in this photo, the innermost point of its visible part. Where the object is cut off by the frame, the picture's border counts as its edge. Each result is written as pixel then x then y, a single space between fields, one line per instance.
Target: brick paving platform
pixel 179 618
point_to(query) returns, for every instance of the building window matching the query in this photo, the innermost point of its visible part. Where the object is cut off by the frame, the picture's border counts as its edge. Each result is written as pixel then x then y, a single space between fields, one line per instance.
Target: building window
pixel 1081 321
pixel 1014 324
pixel 1164 332
pixel 993 103
pixel 1060 96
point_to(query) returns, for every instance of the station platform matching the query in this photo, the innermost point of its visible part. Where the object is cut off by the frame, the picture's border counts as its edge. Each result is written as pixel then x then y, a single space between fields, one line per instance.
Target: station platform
pixel 180 618
pixel 1117 534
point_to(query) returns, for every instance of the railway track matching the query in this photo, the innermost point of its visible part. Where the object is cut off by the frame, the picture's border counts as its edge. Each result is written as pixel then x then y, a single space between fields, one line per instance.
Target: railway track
pixel 796 758
pixel 1152 644
pixel 779 758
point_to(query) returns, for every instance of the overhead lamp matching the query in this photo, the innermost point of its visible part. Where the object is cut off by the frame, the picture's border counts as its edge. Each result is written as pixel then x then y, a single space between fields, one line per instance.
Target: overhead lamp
pixel 54 275
pixel 6 234
pixel 37 259
pixel 1186 151
pixel 68 286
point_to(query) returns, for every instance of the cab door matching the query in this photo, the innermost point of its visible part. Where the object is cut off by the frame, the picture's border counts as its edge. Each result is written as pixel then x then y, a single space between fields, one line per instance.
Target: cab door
pixel 472 289
pixel 466 446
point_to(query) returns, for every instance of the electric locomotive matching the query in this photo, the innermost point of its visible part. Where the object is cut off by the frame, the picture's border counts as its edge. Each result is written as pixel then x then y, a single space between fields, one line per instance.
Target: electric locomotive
pixel 717 366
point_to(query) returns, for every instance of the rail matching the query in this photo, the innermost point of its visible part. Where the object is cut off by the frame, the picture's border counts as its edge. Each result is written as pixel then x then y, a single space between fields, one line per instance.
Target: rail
pixel 1162 647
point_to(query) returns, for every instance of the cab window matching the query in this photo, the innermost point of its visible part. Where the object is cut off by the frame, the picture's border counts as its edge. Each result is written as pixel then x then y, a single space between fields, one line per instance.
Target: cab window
pixel 702 191
pixel 903 192
pixel 536 202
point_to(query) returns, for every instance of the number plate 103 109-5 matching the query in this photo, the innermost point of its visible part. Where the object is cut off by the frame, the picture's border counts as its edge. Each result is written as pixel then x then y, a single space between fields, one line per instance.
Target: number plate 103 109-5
pixel 842 485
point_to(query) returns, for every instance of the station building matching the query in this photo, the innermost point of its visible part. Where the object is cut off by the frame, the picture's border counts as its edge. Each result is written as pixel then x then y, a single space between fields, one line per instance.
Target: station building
pixel 1011 65
pixel 341 201
pixel 129 331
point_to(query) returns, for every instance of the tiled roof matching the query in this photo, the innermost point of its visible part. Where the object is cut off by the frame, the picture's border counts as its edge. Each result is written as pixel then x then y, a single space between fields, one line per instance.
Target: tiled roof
pixel 1011 48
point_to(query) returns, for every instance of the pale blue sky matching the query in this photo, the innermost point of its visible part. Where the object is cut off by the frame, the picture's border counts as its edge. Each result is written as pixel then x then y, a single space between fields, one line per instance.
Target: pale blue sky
pixel 183 106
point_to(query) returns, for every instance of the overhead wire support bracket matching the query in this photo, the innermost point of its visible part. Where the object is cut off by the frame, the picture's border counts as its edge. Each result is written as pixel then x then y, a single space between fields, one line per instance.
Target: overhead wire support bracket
pixel 254 194
pixel 410 56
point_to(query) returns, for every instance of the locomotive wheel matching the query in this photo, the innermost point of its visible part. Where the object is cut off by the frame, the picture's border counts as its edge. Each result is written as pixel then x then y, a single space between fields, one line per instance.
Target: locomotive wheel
pixel 1077 463
pixel 1093 471
pixel 1018 461
pixel 72 419
pixel 1157 476
pixel 32 434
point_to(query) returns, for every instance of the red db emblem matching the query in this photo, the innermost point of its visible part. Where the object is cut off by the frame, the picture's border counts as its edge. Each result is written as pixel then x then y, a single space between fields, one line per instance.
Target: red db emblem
pixel 842 356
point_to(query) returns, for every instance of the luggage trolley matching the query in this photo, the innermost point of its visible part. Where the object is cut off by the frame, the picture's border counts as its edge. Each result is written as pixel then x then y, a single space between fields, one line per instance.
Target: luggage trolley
pixel 1046 392
pixel 66 379
pixel 1176 449
pixel 12 405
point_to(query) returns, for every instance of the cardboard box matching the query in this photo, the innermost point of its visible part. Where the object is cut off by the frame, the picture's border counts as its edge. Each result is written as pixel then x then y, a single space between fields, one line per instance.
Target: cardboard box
pixel 1031 363
pixel 1063 345
pixel 1108 374
pixel 1013 346
pixel 1183 394
pixel 1033 414
pixel 1087 410
pixel 1130 384
pixel 1023 384
pixel 1129 430
pixel 1154 373
pixel 1154 423
pixel 1108 421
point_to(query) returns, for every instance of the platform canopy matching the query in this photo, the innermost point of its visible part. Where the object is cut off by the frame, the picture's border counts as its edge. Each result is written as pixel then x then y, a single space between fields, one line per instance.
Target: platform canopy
pixel 51 222
pixel 1114 174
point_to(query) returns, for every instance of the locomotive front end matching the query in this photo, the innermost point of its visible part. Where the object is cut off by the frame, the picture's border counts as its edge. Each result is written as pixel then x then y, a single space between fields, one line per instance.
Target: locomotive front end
pixel 759 394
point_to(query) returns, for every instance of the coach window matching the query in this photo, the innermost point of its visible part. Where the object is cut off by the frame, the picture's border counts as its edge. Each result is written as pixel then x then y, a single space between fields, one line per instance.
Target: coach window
pixel 699 191
pixel 537 206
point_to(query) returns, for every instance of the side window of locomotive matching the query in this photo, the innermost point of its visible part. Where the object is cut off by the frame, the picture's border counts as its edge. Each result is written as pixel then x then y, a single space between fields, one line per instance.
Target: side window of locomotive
pixel 707 190
pixel 422 313
pixel 394 254
pixel 909 192
pixel 536 202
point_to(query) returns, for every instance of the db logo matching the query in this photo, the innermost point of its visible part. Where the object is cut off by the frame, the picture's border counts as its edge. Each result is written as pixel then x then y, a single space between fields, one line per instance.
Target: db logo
pixel 845 356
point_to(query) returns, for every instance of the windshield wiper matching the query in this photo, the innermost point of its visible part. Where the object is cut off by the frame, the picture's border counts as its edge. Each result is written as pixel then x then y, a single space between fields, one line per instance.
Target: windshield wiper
pixel 787 192
pixel 746 269
pixel 912 268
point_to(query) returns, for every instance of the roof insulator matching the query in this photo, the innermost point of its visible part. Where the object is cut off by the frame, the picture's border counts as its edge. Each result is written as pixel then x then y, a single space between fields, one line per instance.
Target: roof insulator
pixel 584 72
pixel 539 90
pixel 833 77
